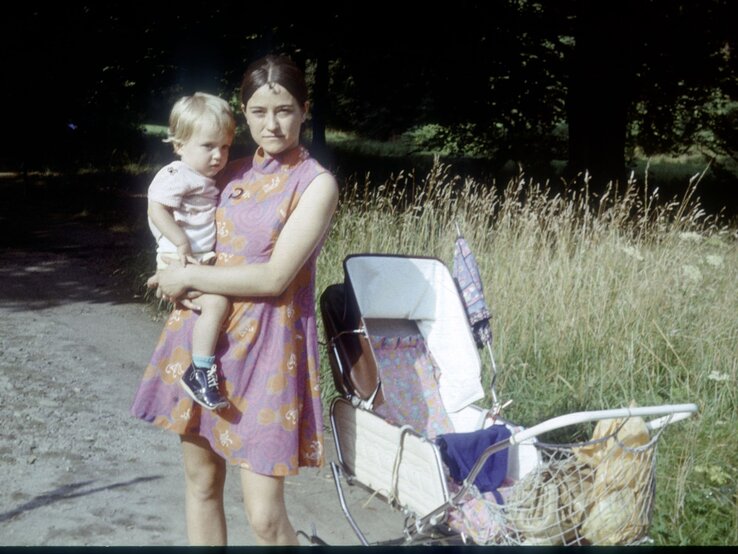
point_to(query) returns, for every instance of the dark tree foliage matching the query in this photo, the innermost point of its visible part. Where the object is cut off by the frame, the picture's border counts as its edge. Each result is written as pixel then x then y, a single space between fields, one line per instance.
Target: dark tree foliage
pixel 83 78
pixel 686 84
pixel 656 74
pixel 600 88
pixel 521 80
pixel 489 76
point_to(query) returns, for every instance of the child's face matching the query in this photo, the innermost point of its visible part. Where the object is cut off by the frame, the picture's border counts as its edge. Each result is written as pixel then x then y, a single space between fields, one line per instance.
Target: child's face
pixel 206 151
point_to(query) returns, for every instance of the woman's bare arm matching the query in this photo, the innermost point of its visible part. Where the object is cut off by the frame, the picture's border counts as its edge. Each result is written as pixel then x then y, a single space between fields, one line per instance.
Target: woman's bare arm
pixel 300 235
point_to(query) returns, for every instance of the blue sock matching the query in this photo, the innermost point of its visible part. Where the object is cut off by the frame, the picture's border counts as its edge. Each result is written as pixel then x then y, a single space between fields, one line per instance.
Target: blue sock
pixel 203 362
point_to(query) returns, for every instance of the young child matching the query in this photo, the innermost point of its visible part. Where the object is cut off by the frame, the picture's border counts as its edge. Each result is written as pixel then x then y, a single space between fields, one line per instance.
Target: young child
pixel 182 199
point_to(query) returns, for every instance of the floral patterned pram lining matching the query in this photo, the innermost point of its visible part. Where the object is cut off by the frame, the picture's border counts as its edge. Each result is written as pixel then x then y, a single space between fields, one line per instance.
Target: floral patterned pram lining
pixel 409 381
pixel 409 378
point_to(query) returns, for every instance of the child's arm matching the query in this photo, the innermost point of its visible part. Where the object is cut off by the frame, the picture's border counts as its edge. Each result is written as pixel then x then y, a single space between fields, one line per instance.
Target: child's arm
pixel 162 217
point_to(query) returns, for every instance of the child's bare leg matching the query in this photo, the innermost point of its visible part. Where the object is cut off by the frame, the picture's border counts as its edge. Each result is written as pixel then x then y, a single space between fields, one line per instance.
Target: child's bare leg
pixel 205 333
pixel 200 380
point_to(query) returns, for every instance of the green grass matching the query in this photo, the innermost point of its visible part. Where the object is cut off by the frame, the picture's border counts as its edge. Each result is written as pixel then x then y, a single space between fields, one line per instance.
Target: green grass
pixel 596 304
pixel 351 143
pixel 159 131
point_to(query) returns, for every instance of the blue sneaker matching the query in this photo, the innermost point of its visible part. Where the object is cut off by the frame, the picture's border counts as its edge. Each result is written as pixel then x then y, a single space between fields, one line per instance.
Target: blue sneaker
pixel 202 386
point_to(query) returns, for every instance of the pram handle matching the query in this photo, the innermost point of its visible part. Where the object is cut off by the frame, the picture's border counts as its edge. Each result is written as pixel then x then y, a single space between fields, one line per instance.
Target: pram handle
pixel 670 412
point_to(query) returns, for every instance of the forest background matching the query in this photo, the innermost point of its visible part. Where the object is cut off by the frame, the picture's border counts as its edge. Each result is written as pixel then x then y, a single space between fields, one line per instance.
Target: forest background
pixel 555 88
pixel 588 150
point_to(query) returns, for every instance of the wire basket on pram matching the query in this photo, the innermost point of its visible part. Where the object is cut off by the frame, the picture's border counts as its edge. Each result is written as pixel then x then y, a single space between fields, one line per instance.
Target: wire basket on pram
pixel 406 426
pixel 598 491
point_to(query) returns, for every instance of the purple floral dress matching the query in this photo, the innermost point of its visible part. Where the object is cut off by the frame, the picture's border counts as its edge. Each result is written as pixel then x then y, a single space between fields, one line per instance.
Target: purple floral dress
pixel 268 351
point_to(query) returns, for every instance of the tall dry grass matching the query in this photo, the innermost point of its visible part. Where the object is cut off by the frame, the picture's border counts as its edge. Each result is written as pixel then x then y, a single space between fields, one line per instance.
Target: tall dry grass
pixel 597 301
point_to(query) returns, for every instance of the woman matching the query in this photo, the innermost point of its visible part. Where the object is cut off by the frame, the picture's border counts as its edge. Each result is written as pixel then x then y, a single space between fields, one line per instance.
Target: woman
pixel 275 209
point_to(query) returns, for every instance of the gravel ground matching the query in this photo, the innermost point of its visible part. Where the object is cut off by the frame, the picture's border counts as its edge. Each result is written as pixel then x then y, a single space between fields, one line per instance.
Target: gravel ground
pixel 77 468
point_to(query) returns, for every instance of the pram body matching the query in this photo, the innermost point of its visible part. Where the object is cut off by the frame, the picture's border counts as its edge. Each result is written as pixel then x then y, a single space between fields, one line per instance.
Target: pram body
pixel 408 373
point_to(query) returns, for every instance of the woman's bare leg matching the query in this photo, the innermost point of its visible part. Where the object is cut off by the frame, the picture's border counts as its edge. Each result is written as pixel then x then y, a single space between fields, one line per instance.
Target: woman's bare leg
pixel 263 497
pixel 205 473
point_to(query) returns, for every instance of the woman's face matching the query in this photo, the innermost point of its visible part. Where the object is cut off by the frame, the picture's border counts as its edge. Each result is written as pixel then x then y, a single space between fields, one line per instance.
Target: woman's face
pixel 274 118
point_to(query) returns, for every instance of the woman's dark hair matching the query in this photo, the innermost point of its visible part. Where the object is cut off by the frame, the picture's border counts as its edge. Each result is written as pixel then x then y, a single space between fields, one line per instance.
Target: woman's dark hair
pixel 273 69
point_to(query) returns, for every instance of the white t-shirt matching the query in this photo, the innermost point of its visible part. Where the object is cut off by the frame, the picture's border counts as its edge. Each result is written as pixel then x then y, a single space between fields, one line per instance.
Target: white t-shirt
pixel 193 198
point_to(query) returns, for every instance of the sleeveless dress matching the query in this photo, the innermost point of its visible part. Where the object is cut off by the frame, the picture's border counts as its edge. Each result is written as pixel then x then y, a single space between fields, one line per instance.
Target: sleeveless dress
pixel 268 352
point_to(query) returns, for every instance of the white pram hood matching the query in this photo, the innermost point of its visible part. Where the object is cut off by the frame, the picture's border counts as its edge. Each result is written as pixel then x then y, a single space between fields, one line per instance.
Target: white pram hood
pixel 422 289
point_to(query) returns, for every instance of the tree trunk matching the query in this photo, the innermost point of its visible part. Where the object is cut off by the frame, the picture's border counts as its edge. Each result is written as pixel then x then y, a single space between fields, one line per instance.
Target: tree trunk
pixel 599 92
pixel 320 108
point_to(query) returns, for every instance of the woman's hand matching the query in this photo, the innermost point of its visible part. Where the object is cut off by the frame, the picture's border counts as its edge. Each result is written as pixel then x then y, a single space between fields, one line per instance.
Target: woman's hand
pixel 171 280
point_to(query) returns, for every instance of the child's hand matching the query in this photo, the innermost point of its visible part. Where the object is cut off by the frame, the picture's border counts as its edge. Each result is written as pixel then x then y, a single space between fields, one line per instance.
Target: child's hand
pixel 184 252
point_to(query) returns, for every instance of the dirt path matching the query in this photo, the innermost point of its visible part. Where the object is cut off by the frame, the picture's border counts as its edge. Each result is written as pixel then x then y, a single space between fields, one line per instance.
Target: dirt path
pixel 77 468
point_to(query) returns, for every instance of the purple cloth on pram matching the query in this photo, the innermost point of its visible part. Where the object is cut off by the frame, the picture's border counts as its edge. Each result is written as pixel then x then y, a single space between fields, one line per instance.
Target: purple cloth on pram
pixel 460 451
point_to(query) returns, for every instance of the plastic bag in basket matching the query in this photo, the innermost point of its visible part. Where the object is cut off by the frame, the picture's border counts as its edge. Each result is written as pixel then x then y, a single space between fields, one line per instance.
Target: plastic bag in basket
pixel 617 460
pixel 547 506
pixel 620 502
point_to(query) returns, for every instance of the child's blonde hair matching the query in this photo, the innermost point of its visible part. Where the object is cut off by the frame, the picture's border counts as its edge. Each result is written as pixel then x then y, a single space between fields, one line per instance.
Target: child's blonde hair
pixel 189 112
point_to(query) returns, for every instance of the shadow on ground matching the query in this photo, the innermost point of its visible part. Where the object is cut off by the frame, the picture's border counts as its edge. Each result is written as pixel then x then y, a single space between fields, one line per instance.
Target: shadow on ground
pixel 55 232
pixel 68 492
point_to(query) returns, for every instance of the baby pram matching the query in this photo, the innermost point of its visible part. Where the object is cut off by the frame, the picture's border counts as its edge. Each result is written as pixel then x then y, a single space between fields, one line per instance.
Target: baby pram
pixel 406 426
